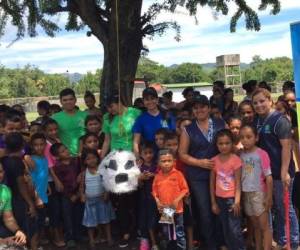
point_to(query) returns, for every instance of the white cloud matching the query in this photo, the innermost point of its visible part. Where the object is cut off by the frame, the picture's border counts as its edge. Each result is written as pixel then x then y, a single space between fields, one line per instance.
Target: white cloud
pixel 200 43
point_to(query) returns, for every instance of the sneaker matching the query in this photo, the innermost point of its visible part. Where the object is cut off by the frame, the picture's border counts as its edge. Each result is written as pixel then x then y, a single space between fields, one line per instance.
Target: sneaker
pixel 155 247
pixel 71 244
pixel 144 244
pixel 123 243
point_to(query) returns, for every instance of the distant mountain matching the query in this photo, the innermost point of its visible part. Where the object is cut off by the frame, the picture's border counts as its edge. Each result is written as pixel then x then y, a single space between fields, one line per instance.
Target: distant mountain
pixel 73 77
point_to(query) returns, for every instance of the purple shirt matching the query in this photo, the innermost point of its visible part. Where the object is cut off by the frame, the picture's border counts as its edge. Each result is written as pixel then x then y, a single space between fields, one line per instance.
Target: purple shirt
pixel 68 174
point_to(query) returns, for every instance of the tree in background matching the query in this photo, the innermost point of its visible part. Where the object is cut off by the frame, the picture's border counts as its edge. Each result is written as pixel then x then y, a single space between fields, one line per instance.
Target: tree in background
pixel 102 17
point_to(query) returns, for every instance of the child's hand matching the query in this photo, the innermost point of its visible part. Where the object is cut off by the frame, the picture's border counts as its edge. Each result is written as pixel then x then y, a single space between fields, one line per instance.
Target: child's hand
pixel 29 162
pixel 104 196
pixel 268 203
pixel 160 206
pixel 83 198
pixel 74 198
pixel 215 208
pixel 236 209
pixel 59 186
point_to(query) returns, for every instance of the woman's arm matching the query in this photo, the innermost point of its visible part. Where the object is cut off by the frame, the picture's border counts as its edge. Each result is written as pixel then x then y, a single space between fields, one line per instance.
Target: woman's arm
pixel 212 186
pixel 105 146
pixel 186 158
pixel 285 161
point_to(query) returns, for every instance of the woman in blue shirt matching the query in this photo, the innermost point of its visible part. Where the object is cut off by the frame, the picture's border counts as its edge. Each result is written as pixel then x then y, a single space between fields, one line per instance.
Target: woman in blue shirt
pixel 151 120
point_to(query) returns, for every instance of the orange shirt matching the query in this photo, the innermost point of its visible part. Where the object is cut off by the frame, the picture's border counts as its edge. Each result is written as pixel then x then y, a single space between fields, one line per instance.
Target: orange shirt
pixel 167 187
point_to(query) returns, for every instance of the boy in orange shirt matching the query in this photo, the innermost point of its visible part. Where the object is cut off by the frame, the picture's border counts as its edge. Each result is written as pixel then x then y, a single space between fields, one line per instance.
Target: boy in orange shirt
pixel 169 188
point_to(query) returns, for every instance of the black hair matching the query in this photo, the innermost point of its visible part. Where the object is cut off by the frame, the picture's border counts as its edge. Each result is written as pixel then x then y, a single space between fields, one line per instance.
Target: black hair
pixel 170 135
pixel 45 105
pixel 214 106
pixel 12 116
pixel 147 145
pixel 4 108
pixel 243 103
pixel 87 135
pixel 14 142
pixel 89 94
pixel 55 107
pixel 227 90
pixel 91 118
pixel 162 131
pixel 35 123
pixel 288 85
pixel 187 90
pixel 219 84
pixel 165 151
pixel 47 122
pixel 86 152
pixel 150 91
pixel 224 132
pixel 55 148
pixel 233 117
pixel 37 136
pixel 168 94
pixel 65 92
pixel 254 130
pixel 264 85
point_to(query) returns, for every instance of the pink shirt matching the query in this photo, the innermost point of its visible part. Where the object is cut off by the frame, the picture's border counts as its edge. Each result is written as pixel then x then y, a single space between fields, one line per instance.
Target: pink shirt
pixel 49 156
pixel 225 180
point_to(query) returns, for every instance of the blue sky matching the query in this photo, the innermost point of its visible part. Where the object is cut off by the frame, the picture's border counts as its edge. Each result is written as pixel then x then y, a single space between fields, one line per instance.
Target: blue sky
pixel 200 43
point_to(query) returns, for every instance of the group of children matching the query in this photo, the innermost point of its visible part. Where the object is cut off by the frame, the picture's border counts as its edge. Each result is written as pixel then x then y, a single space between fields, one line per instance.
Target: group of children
pixel 54 190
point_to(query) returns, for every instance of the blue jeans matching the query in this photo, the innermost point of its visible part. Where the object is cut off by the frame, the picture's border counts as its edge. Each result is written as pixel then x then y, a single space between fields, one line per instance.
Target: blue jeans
pixel 231 225
pixel 201 194
pixel 279 216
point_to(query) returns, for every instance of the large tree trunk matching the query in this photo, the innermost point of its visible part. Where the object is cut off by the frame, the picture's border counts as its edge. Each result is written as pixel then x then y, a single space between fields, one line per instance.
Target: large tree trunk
pixel 130 45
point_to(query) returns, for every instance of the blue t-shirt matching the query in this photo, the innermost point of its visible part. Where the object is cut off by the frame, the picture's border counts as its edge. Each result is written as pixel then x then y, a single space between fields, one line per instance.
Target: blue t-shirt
pixel 39 176
pixel 147 124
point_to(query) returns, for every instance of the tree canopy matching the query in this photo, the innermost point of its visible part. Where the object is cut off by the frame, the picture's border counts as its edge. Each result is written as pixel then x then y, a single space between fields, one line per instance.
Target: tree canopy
pixel 119 25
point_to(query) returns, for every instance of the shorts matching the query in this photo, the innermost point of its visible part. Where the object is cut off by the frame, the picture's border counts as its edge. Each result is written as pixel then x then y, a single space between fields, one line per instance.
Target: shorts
pixel 254 203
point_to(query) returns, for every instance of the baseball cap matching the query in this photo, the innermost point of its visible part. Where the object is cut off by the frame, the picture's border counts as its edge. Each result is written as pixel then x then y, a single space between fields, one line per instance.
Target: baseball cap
pixel 200 99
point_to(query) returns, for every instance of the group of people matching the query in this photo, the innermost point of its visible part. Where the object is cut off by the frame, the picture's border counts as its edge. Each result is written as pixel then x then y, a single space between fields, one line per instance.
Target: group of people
pixel 211 170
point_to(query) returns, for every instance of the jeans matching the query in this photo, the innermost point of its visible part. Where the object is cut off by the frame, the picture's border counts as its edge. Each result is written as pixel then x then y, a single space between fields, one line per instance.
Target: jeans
pixel 279 216
pixel 231 225
pixel 201 195
pixel 72 218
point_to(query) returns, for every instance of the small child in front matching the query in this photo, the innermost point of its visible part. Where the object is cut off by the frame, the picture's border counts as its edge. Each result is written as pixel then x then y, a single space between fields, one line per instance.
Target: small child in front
pixel 169 188
pixel 225 190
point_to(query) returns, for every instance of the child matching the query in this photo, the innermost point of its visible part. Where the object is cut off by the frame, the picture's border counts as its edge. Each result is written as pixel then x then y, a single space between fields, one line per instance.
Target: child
pixel 90 141
pixel 234 125
pixel 39 175
pixel 225 190
pixel 172 142
pixel 215 111
pixel 98 209
pixel 67 170
pixel 159 137
pixel 246 111
pixel 169 188
pixel 50 129
pixel 90 101
pixel 93 124
pixel 256 186
pixel 148 215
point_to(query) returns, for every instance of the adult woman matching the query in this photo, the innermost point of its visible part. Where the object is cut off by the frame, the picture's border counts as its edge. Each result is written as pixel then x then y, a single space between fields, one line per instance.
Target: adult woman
pixel 117 127
pixel 152 120
pixel 195 149
pixel 275 133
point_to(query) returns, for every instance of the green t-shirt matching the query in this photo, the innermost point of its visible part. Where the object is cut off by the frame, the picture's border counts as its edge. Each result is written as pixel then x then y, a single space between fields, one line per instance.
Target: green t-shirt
pixel 120 129
pixel 5 199
pixel 70 128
